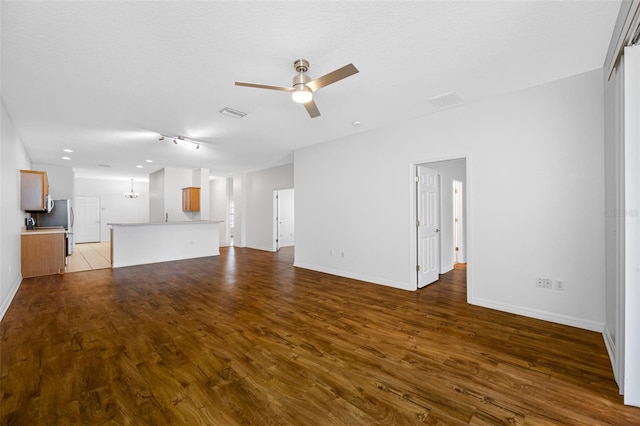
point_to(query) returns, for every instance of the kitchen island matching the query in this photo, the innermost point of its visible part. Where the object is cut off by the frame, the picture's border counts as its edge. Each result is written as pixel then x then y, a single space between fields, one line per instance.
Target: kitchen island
pixel 152 242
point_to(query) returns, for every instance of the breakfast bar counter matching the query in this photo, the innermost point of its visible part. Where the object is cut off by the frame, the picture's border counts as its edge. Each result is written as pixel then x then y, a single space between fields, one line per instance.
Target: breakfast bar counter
pixel 152 242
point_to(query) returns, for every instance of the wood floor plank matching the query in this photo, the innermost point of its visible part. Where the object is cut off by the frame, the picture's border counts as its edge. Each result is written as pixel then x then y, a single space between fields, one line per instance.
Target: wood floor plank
pixel 246 338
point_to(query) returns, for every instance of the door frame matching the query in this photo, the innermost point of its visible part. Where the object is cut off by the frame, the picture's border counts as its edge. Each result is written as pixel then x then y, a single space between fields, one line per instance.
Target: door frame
pixel 458 227
pixel 275 240
pixel 411 223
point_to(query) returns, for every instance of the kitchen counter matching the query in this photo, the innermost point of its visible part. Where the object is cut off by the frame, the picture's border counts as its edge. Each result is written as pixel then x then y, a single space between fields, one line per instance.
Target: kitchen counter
pixel 152 242
pixel 184 222
pixel 44 230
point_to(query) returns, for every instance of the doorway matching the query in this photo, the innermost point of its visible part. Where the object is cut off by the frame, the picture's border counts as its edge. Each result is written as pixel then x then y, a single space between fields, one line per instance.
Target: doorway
pixel 283 218
pixel 87 219
pixel 439 222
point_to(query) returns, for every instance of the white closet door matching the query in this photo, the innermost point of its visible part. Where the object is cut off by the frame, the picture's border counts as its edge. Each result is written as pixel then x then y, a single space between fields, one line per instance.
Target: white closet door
pixel 632 225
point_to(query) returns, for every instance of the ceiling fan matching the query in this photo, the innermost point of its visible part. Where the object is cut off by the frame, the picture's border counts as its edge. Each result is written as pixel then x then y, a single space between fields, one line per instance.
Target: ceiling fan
pixel 303 87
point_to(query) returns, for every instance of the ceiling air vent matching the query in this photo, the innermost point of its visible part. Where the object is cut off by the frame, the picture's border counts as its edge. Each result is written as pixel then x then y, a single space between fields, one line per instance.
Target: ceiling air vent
pixel 232 112
pixel 447 100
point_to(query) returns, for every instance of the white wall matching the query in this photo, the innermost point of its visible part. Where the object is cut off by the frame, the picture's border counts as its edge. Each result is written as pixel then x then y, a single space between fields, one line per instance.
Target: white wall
pixel 240 202
pixel 156 196
pixel 259 204
pixel 535 187
pixel 219 206
pixel 200 179
pixel 114 207
pixel 13 157
pixel 448 171
pixel 61 180
pixel 174 181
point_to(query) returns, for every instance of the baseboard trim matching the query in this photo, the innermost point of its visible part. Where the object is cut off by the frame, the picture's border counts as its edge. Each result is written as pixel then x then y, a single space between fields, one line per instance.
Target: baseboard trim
pixel 446 269
pixel 359 277
pixel 611 350
pixel 542 315
pixel 7 301
pixel 251 246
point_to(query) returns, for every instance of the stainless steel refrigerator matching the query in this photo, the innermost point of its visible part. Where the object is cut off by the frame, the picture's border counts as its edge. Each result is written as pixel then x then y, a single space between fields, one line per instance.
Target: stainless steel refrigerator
pixel 60 215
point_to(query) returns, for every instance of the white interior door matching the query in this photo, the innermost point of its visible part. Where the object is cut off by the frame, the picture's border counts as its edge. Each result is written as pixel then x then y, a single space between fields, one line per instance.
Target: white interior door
pixel 87 219
pixel 428 224
pixel 286 217
pixel 631 327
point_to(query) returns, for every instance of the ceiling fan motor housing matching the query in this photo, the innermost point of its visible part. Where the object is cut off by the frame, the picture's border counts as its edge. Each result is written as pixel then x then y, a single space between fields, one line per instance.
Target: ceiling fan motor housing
pixel 300 81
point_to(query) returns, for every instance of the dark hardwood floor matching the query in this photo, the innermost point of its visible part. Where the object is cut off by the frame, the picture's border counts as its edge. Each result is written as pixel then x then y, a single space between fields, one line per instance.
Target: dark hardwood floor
pixel 245 338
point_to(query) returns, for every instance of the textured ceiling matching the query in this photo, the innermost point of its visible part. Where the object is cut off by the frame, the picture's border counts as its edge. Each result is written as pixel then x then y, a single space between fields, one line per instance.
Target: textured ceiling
pixel 105 78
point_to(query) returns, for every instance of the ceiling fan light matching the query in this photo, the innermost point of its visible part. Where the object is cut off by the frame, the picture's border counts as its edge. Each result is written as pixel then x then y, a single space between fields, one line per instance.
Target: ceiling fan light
pixel 302 95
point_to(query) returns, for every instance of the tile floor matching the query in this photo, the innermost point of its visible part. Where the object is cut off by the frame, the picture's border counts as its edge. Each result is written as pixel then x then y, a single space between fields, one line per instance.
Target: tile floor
pixel 88 256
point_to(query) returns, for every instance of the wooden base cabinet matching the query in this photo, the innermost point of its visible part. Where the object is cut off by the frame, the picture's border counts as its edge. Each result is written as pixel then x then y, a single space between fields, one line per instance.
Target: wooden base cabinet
pixel 42 253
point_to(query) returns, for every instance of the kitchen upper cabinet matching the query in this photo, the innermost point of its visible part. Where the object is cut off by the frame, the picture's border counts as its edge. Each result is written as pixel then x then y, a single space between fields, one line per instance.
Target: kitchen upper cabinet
pixel 34 188
pixel 191 199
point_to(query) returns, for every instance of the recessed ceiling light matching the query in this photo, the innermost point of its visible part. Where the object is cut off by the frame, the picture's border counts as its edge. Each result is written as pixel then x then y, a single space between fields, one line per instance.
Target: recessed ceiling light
pixel 66 158
pixel 356 123
pixel 149 161
pixel 67 150
pixel 139 166
pixel 232 112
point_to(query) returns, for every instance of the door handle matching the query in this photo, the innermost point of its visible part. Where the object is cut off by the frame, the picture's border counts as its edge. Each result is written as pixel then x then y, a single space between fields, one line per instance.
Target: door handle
pixel 437 230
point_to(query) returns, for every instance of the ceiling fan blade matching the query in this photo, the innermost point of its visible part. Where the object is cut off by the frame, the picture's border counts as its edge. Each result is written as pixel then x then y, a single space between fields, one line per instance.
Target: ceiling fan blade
pixel 332 77
pixel 312 109
pixel 264 86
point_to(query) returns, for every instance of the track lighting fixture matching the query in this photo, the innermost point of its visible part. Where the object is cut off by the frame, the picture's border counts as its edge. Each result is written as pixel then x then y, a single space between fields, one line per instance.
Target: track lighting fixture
pixel 180 140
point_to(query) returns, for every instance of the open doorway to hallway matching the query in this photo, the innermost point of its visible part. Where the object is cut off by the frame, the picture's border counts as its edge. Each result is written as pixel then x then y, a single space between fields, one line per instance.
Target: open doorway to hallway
pixel 440 218
pixel 283 218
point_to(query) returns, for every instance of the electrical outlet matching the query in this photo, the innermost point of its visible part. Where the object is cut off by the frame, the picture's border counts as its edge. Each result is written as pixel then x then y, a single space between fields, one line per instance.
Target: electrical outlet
pixel 560 285
pixel 544 283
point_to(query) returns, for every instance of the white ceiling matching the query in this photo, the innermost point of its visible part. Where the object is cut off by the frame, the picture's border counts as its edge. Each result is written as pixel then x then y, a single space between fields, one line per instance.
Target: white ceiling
pixel 104 78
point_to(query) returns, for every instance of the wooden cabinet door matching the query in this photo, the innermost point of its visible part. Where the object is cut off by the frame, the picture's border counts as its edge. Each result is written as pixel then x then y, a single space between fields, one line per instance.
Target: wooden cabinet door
pixel 191 199
pixel 42 254
pixel 34 188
